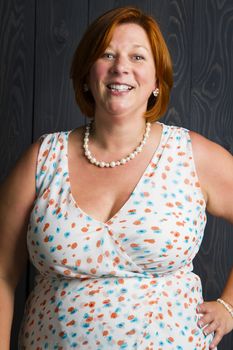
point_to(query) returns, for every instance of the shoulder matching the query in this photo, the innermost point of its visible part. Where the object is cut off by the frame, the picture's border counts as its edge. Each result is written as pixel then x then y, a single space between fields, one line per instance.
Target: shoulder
pixel 21 180
pixel 17 191
pixel 24 168
pixel 209 153
pixel 215 168
pixel 53 138
pixel 175 131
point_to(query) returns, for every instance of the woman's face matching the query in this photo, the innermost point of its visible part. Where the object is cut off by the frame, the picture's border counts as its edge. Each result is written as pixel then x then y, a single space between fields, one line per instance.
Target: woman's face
pixel 123 78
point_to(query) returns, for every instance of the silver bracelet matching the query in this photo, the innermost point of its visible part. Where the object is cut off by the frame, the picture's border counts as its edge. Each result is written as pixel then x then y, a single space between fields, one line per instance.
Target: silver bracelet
pixel 226 305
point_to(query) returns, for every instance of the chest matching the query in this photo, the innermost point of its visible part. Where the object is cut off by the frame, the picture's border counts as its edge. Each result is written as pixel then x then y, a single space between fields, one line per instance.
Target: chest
pixel 101 193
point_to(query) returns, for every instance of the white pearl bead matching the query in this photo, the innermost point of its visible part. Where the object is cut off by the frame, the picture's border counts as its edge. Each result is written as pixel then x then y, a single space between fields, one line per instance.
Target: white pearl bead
pixel 122 161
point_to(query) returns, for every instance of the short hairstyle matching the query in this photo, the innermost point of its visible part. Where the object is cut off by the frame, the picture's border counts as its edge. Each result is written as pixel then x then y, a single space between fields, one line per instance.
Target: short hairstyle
pixel 95 41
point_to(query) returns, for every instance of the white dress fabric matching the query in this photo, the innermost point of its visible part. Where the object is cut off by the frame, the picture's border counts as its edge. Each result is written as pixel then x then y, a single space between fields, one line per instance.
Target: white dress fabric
pixel 124 284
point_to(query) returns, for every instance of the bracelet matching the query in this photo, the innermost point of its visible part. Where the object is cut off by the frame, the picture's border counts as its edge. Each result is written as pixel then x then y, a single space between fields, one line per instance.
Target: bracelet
pixel 226 305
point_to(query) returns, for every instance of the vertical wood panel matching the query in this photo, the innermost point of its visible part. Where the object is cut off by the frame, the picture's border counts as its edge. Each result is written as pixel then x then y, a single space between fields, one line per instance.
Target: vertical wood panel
pixel 97 8
pixel 211 115
pixel 176 18
pixel 60 25
pixel 212 56
pixel 16 100
pixel 16 79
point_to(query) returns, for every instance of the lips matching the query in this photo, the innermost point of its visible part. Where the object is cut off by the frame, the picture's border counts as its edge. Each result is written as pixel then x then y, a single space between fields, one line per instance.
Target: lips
pixel 119 87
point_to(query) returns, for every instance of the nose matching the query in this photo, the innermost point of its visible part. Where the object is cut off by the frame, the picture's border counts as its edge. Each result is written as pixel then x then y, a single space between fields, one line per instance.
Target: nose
pixel 120 66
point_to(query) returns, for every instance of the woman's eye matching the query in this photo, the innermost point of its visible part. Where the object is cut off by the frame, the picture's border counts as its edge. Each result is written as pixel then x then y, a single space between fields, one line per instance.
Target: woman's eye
pixel 108 55
pixel 138 57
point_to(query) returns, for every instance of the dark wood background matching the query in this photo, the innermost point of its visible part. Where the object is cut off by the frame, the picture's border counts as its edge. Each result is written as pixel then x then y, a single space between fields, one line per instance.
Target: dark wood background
pixel 37 40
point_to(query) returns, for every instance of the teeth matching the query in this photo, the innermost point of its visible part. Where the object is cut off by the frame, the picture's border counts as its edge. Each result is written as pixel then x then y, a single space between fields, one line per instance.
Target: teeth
pixel 119 87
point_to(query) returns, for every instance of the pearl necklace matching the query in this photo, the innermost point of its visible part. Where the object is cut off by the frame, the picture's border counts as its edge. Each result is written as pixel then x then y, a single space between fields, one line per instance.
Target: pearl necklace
pixel 121 161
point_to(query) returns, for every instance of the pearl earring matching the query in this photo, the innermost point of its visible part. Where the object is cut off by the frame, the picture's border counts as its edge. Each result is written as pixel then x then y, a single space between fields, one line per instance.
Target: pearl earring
pixel 156 92
pixel 85 87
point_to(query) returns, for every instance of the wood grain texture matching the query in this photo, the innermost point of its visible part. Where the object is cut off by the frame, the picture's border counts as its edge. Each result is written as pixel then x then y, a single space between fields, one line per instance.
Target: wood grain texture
pixel 211 115
pixel 16 101
pixel 175 18
pixel 16 79
pixel 97 8
pixel 59 26
pixel 212 71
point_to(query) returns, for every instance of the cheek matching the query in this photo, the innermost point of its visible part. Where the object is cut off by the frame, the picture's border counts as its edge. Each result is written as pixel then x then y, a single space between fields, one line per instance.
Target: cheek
pixel 97 72
pixel 148 78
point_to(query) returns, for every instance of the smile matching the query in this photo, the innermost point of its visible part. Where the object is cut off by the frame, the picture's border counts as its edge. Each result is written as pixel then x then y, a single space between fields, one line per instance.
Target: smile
pixel 119 87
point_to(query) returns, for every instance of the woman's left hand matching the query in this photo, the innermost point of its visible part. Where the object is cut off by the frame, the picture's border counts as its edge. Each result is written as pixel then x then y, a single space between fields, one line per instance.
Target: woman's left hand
pixel 214 318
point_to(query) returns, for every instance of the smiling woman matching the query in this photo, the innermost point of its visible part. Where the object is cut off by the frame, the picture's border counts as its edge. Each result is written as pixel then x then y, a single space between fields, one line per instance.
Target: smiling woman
pixel 123 78
pixel 96 41
pixel 117 209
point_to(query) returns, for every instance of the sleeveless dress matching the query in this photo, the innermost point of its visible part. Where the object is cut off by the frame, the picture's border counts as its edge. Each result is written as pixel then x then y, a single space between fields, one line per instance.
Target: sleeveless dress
pixel 126 283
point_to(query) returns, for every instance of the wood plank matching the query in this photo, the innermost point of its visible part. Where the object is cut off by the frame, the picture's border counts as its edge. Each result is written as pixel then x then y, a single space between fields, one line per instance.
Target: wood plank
pixel 16 80
pixel 97 8
pixel 211 115
pixel 60 25
pixel 175 19
pixel 211 93
pixel 16 101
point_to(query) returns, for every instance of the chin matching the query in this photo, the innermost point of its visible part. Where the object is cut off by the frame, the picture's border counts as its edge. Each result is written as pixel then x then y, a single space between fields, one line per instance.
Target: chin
pixel 119 109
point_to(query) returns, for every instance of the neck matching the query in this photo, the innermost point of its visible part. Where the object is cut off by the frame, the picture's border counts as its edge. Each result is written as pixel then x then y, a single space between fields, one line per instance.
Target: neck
pixel 120 161
pixel 117 136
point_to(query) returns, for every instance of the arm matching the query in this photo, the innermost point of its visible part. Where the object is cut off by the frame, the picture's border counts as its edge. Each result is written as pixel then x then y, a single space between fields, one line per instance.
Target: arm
pixel 215 171
pixel 17 195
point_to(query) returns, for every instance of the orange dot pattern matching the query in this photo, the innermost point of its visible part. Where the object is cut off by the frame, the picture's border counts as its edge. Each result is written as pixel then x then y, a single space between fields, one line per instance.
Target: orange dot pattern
pixel 124 284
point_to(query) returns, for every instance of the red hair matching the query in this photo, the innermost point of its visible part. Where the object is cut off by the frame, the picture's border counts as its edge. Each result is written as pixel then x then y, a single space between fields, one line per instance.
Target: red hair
pixel 95 41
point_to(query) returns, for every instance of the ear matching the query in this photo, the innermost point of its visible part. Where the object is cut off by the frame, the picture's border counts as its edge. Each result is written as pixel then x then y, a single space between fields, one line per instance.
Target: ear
pixel 155 90
pixel 156 83
pixel 86 85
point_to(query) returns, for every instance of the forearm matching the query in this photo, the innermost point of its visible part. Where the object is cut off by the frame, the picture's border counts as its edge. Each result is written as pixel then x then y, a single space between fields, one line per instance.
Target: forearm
pixel 227 294
pixel 6 313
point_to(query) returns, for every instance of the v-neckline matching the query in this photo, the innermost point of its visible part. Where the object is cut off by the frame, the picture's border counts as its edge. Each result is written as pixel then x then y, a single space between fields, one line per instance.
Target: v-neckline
pixel 137 185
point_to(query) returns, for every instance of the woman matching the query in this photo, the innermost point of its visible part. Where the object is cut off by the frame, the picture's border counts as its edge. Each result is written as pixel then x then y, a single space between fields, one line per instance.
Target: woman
pixel 117 209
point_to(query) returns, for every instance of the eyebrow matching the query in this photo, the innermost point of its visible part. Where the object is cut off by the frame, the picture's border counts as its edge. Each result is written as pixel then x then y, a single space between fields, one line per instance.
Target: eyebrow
pixel 137 46
pixel 140 46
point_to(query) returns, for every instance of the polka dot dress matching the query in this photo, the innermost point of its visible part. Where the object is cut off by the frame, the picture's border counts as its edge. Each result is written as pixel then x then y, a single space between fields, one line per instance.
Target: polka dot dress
pixel 124 284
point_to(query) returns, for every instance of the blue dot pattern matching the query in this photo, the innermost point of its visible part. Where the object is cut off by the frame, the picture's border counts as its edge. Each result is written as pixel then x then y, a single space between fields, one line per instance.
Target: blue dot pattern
pixel 124 284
